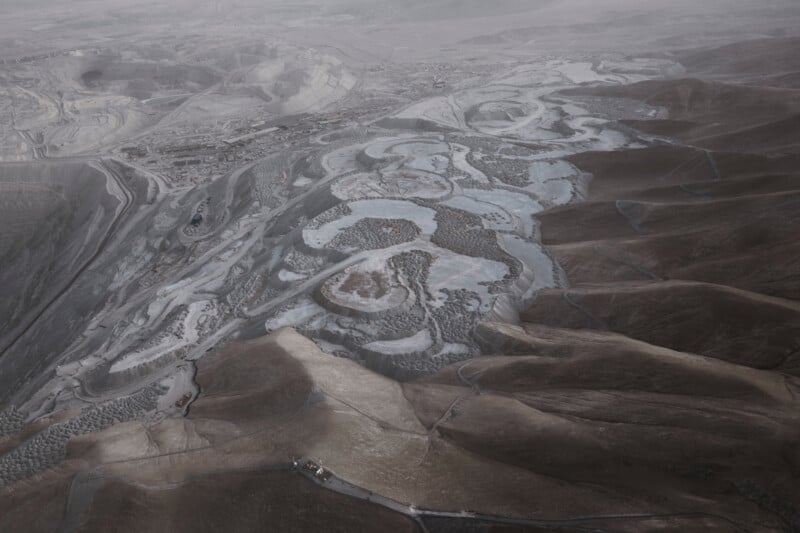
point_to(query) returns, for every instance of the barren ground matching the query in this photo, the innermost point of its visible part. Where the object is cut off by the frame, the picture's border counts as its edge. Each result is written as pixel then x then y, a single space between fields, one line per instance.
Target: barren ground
pixel 535 270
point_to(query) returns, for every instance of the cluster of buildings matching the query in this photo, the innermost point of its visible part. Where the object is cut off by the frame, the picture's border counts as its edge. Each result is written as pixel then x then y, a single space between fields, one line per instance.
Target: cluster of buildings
pixel 197 157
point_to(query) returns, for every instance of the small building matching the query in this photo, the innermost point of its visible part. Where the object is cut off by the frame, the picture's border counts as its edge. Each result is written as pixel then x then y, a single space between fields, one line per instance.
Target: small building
pixel 183 400
pixel 323 474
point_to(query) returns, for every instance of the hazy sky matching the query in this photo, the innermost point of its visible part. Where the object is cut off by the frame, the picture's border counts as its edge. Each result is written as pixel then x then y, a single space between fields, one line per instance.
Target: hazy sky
pixel 395 24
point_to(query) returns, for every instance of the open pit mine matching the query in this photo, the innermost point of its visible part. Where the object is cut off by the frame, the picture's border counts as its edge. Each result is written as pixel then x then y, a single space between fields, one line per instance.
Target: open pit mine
pixel 359 266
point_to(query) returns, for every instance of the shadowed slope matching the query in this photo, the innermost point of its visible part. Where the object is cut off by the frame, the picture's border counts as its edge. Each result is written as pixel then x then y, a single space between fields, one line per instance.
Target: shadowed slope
pixel 714 115
pixel 670 364
pixel 767 62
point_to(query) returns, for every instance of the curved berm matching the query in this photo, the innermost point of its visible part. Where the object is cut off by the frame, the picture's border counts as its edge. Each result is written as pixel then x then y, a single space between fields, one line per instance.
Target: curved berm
pixel 56 218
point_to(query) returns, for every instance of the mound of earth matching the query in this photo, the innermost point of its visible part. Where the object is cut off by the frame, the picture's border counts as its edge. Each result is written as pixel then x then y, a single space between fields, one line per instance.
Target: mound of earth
pixel 682 265
pixel 264 404
pixel 600 408
pixel 682 308
pixel 298 80
pixel 554 437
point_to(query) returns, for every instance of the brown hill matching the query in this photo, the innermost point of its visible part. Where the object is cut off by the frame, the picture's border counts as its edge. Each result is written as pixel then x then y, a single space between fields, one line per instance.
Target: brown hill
pixel 713 320
pixel 659 391
pixel 595 408
pixel 712 114
pixel 773 62
pixel 672 360
pixel 262 405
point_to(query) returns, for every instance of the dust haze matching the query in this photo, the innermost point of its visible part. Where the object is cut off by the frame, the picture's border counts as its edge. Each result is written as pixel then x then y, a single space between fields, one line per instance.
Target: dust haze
pixel 425 266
